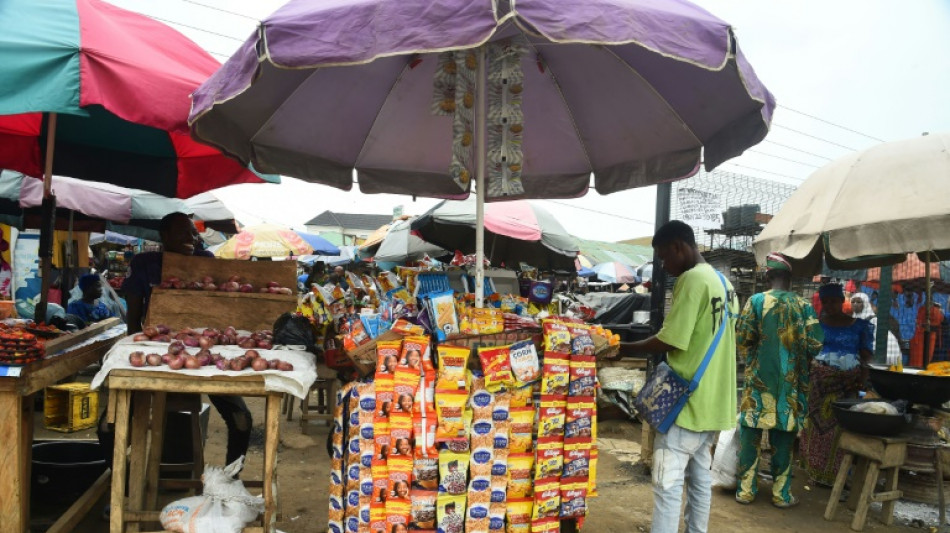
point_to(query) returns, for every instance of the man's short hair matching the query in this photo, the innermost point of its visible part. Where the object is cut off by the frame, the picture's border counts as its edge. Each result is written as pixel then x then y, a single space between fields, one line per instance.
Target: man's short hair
pixel 168 220
pixel 674 230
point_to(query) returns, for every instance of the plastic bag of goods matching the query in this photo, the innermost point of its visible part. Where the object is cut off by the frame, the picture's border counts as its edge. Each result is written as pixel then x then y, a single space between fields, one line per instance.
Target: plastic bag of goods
pixel 225 506
pixel 725 463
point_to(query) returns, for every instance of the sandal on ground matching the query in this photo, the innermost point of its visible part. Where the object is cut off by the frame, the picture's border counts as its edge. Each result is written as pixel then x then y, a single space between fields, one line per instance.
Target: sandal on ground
pixel 743 501
pixel 792 502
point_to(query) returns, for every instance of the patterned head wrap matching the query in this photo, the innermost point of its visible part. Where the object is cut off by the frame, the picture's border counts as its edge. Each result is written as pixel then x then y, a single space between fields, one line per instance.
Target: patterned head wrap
pixel 777 261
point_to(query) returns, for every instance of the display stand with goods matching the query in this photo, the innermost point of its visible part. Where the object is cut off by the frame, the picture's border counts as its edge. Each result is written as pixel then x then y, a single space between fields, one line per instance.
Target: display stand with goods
pixel 204 342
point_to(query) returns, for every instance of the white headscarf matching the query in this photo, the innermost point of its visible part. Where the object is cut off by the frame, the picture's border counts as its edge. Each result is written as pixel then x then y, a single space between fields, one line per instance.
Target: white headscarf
pixel 867 312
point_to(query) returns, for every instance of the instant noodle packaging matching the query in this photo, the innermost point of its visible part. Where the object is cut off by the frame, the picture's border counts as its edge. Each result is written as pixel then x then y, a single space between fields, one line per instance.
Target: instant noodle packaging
pixel 557 338
pixel 583 372
pixel 442 314
pixel 519 475
pixel 577 458
pixel 556 374
pixel 580 417
pixel 549 462
pixel 425 473
pixel 496 517
pixel 453 360
pixel 496 366
pixel 521 429
pixel 400 435
pixel 477 520
pixel 450 513
pixel 450 407
pixel 547 498
pixel 519 512
pixel 552 416
pixel 525 366
pixel 423 514
pixel 573 497
pixel 453 472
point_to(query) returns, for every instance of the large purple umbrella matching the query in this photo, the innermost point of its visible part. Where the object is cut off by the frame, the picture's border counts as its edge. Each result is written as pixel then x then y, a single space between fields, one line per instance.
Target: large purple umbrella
pixel 420 96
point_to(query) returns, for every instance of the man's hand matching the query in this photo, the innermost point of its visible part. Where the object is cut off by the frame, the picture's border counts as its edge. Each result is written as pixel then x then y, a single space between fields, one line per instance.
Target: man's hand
pixel 650 345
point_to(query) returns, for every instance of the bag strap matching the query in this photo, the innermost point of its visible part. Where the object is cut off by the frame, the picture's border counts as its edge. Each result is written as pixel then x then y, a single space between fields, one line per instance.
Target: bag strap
pixel 694 384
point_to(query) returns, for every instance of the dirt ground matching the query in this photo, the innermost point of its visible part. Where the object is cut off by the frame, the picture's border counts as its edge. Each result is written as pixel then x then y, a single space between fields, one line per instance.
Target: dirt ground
pixel 624 504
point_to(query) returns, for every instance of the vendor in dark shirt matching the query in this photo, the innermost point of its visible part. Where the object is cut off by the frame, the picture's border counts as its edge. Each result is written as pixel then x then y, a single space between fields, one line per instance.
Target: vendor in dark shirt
pixel 89 308
pixel 179 236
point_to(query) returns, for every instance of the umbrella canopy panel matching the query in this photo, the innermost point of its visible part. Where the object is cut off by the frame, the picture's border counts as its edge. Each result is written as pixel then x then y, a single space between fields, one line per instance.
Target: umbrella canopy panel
pixel 121 84
pixel 402 244
pixel 631 91
pixel 874 206
pixel 268 240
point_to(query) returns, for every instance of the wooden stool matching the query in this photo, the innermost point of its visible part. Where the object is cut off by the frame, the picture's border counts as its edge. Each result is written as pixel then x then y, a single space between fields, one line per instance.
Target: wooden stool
pixel 874 454
pixel 325 392
pixel 935 467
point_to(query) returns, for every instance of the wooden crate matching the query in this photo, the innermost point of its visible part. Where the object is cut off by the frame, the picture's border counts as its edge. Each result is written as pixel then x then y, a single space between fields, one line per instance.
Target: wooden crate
pixel 70 407
pixel 364 355
pixel 250 311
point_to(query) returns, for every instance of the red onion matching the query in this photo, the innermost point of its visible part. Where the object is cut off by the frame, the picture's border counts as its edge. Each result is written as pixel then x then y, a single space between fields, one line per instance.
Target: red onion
pixel 163 329
pixel 151 331
pixel 271 284
pixel 176 347
pixel 223 287
pixel 137 359
pixel 153 359
pixel 178 284
pixel 162 338
pixel 205 342
pixel 265 344
pixel 273 364
pixel 285 366
pixel 266 333
pixel 210 332
pixel 235 278
pixel 205 359
pixel 232 286
pixel 172 279
pixel 222 340
pixel 284 290
pixel 191 341
pixel 165 285
pixel 273 290
pixel 246 287
pixel 192 362
pixel 176 363
pixel 167 357
pixel 207 279
pixel 210 287
pixel 248 343
pixel 238 364
pixel 222 364
pixel 252 354
pixel 230 331
pixel 140 337
pixel 259 364
pixel 196 286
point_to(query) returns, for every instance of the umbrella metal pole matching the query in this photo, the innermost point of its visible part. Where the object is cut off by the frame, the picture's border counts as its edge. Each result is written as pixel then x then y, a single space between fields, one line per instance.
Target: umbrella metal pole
pixel 480 138
pixel 928 334
pixel 46 230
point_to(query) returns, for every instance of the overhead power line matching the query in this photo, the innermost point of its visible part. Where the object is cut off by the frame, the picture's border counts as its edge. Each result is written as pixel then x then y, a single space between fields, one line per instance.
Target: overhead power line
pixel 813 137
pixel 799 180
pixel 782 158
pixel 233 38
pixel 830 123
pixel 796 149
pixel 649 222
pixel 222 10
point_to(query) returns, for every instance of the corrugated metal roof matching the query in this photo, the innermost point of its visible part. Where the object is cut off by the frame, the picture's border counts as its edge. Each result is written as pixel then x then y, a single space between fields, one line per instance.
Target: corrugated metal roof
pixel 361 221
pixel 604 252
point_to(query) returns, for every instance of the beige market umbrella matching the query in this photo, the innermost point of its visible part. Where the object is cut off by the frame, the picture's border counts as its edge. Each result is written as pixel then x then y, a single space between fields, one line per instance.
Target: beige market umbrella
pixel 869 208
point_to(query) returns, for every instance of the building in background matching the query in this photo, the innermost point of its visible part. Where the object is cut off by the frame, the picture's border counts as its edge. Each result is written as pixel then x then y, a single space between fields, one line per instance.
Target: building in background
pixel 346 228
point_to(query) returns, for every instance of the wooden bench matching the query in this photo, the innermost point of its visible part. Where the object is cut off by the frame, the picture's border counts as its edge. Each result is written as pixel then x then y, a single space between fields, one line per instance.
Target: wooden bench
pixel 874 455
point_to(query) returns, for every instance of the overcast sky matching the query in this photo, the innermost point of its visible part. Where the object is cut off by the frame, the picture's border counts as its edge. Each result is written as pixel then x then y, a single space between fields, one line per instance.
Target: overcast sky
pixel 847 74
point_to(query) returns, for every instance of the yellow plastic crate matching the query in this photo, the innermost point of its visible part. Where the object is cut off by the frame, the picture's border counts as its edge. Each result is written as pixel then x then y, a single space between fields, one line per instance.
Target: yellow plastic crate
pixel 70 407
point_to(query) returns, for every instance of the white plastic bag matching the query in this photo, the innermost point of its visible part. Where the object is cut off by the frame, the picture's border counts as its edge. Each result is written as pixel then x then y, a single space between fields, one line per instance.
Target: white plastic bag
pixel 224 507
pixel 725 463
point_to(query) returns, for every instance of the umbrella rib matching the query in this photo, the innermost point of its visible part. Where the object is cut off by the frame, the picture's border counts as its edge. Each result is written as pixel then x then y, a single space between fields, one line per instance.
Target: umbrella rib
pixel 570 112
pixel 657 93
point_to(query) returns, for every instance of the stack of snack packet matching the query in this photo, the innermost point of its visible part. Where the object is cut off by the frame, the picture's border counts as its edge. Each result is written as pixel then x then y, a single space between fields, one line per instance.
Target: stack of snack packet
pixel 580 428
pixel 344 511
pixel 451 400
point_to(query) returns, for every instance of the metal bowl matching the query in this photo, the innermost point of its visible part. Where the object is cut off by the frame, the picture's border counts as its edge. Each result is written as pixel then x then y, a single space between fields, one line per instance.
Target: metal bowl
pixel 869 423
pixel 910 386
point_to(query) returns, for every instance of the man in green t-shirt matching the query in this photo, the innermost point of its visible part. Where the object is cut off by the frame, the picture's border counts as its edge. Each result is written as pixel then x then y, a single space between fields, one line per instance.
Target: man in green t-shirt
pixel 685 451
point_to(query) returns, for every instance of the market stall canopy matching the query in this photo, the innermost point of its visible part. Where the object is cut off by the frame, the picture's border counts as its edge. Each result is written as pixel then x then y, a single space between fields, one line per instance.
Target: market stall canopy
pixel 100 207
pixel 268 240
pixel 347 255
pixel 120 84
pixel 615 272
pixel 869 208
pixel 401 244
pixel 634 92
pixel 516 232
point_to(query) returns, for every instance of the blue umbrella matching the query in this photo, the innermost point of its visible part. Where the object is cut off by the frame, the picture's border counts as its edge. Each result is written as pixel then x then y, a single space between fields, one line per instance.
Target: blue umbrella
pixel 585 272
pixel 320 245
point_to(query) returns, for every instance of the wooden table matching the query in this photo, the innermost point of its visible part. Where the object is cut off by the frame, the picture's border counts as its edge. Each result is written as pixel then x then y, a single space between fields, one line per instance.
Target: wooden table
pixel 149 389
pixel 16 417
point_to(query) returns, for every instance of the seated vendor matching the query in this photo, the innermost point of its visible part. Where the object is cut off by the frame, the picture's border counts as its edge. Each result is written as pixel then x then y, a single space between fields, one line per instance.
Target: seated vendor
pixel 89 308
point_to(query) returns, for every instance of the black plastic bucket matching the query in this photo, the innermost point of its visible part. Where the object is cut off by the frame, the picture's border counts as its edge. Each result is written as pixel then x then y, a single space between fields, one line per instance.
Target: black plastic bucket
pixel 63 470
